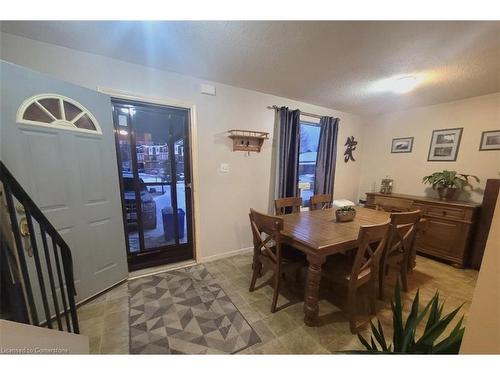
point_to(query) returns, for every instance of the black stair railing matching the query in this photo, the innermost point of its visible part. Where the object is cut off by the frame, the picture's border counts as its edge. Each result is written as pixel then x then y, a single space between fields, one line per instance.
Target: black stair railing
pixel 65 314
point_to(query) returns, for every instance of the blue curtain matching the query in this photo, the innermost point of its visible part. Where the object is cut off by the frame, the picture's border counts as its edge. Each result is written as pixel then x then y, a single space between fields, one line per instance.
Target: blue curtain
pixel 327 156
pixel 288 154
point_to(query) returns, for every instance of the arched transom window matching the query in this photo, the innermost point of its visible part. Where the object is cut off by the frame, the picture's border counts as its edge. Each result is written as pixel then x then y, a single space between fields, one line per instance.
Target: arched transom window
pixel 58 111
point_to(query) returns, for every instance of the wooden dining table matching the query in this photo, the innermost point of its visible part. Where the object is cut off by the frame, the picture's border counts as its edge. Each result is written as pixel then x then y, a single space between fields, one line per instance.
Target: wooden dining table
pixel 318 234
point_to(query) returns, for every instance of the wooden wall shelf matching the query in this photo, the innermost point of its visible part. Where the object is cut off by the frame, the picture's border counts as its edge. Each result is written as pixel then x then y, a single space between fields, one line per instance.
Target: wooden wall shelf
pixel 247 140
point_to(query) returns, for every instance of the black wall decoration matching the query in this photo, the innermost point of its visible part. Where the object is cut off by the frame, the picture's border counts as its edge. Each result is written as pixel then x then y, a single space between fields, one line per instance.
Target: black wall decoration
pixel 350 146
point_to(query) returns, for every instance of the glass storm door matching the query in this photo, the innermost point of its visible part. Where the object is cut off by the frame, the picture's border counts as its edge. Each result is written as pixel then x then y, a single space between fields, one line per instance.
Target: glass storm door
pixel 152 144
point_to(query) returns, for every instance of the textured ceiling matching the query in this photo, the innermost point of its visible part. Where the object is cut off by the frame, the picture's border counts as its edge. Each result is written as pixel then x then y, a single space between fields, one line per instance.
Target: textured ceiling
pixel 329 63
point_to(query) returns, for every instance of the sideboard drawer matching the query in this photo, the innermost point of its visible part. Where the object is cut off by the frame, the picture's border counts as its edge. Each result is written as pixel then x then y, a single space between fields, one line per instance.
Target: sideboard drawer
pixel 446 212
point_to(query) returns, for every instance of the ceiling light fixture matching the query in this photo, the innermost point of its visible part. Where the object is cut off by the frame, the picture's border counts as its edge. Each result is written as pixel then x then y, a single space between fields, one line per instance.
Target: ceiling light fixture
pixel 399 84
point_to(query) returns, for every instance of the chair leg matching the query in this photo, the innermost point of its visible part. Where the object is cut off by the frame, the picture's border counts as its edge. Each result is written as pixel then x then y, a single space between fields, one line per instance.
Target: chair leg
pixel 257 268
pixel 381 279
pixel 277 278
pixel 404 277
pixel 373 296
pixel 351 307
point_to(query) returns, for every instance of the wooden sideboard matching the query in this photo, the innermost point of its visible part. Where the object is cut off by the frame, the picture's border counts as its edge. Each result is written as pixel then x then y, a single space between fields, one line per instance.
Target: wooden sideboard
pixel 448 230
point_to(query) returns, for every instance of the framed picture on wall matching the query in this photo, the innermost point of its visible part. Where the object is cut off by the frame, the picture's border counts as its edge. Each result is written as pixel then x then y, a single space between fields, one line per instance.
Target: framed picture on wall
pixel 402 145
pixel 445 144
pixel 490 140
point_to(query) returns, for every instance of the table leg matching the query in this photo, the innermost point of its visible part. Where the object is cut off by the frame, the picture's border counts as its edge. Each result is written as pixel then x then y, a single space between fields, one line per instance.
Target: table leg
pixel 311 309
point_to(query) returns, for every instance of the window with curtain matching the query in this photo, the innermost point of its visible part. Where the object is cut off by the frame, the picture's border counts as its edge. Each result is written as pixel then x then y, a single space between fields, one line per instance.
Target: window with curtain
pixel 304 156
pixel 308 151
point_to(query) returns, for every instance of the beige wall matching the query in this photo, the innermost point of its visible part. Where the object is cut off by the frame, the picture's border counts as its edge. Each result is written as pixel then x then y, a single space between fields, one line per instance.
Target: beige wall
pixel 482 334
pixel 224 198
pixel 475 115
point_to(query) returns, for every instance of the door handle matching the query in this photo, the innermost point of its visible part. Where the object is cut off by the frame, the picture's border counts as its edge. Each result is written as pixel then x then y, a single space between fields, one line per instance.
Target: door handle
pixel 25 234
pixel 24 230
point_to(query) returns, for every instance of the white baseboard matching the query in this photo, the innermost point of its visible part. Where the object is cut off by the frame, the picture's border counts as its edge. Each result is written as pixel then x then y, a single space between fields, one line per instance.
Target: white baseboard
pixel 226 254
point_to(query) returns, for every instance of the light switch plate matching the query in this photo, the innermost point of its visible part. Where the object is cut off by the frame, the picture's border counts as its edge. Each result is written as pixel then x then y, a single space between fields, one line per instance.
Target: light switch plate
pixel 224 168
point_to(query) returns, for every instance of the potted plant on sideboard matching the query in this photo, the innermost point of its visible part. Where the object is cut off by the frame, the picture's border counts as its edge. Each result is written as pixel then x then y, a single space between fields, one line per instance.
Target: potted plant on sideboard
pixel 447 183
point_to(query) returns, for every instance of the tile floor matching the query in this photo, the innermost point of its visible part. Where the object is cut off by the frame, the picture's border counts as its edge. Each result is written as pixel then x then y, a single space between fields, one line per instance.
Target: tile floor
pixel 105 318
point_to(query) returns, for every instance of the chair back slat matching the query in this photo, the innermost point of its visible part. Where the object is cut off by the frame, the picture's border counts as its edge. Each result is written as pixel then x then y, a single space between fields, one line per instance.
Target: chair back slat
pixel 321 201
pixel 266 231
pixel 287 205
pixel 371 243
pixel 402 232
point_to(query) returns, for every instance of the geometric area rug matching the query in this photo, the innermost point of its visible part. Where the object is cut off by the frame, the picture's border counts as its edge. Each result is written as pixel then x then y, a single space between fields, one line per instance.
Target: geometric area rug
pixel 185 312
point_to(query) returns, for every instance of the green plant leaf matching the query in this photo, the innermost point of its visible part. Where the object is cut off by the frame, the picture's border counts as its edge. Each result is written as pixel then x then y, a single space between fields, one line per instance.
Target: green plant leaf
pixel 413 321
pixel 451 176
pixel 409 328
pixel 378 336
pixel 404 332
pixel 434 312
pixel 458 326
pixel 397 319
pixel 438 328
pixel 451 344
pixel 440 311
pixel 381 331
pixel 364 342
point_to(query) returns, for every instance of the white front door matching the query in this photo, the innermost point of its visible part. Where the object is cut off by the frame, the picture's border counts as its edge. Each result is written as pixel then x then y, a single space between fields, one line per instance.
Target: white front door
pixel 70 173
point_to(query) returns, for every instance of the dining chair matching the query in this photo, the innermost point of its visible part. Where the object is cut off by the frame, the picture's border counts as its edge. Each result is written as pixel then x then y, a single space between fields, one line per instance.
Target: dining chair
pixel 361 269
pixel 388 204
pixel 270 253
pixel 398 249
pixel 321 201
pixel 287 205
pixel 420 230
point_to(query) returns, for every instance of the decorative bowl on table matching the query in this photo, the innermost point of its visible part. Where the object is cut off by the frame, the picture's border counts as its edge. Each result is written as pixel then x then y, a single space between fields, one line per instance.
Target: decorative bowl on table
pixel 346 213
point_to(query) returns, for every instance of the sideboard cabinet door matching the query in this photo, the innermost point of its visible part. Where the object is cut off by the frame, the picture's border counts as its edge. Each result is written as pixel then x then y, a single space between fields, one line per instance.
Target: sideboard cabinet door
pixel 444 239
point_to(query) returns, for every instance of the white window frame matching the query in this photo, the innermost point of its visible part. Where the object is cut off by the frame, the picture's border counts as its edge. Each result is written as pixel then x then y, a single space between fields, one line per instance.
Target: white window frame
pixel 57 123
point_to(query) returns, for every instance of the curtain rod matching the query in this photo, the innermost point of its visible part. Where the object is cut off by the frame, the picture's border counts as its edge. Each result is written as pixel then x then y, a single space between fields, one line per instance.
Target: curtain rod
pixel 302 113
